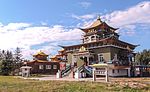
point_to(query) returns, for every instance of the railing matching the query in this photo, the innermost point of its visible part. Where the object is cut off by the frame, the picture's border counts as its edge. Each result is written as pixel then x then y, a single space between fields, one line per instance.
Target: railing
pixel 88 70
pixel 121 63
pixel 100 72
pixel 66 71
pixel 80 69
pixel 85 69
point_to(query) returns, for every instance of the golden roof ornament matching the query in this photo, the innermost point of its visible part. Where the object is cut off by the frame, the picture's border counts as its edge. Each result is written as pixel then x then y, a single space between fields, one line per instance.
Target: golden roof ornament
pixel 40 53
pixel 82 49
pixel 99 18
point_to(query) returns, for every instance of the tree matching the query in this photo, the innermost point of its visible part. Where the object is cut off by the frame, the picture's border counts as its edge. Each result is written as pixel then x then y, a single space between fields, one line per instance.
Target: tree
pixel 6 62
pixel 143 58
pixel 17 58
pixel 10 62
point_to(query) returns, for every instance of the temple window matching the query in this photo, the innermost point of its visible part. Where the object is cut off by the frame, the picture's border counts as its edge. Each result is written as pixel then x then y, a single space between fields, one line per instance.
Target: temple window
pixel 113 71
pixel 92 38
pixel 48 66
pixel 100 58
pixel 118 70
pixel 54 66
pixel 41 67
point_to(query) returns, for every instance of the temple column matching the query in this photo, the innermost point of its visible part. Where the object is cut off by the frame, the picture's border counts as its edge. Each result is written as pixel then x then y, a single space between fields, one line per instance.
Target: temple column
pixel 94 76
pixel 129 75
pixel 107 77
pixel 88 60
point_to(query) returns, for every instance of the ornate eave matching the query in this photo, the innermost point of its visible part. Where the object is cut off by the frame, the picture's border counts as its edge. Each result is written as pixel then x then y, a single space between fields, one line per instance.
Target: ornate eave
pixel 40 53
pixel 101 25
pixel 39 61
pixel 111 41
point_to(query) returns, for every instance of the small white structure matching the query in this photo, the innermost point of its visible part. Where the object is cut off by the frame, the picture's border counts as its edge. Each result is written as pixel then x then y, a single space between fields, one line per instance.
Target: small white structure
pixel 25 71
pixel 118 71
pixel 58 74
pixel 77 74
pixel 100 69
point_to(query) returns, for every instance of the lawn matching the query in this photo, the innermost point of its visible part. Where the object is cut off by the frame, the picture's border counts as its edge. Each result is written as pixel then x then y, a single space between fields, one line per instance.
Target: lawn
pixel 13 84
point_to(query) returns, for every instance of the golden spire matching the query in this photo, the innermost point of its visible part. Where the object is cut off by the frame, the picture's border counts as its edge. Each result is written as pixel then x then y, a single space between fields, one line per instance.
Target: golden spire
pixel 40 53
pixel 99 18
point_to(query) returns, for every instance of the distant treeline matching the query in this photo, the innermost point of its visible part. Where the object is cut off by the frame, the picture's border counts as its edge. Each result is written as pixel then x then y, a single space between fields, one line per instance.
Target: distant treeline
pixel 143 58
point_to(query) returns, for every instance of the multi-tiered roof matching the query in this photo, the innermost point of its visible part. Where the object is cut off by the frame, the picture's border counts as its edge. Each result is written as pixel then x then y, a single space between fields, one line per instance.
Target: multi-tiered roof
pixel 40 57
pixel 99 25
pixel 100 34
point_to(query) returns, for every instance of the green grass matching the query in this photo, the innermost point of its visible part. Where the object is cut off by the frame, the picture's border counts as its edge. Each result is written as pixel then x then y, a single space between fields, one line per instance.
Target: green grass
pixel 13 84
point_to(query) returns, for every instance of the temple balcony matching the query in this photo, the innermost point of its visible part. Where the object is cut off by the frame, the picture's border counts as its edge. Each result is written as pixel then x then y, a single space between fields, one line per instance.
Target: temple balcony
pixel 120 63
pixel 94 39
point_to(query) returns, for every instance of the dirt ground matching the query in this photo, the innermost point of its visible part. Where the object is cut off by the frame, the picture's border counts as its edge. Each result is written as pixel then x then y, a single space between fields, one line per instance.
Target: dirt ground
pixel 137 83
pixel 131 82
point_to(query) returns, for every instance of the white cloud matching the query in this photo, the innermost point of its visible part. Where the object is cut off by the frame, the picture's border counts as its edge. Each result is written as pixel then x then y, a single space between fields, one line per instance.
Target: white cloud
pixel 25 36
pixel 137 14
pixel 15 26
pixel 129 18
pixel 44 23
pixel 84 17
pixel 85 4
pixel 85 20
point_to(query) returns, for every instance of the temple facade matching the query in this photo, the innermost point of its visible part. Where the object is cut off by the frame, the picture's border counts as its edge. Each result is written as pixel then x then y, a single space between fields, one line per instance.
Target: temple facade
pixel 60 58
pixel 101 44
pixel 41 65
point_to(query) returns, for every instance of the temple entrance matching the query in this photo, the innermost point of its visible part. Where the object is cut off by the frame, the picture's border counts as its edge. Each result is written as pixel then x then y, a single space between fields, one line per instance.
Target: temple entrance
pixel 91 60
pixel 85 61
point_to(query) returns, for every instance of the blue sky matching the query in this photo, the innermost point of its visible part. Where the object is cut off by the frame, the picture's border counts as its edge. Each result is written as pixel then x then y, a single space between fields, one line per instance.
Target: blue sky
pixel 55 11
pixel 44 24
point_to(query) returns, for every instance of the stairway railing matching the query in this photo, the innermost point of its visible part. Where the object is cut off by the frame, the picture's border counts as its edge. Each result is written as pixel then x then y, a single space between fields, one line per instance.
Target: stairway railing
pixel 81 68
pixel 88 70
pixel 85 69
pixel 66 71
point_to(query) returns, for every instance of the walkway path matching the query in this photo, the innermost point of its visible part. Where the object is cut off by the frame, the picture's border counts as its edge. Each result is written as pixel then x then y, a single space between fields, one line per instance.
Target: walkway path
pixel 112 80
pixel 53 77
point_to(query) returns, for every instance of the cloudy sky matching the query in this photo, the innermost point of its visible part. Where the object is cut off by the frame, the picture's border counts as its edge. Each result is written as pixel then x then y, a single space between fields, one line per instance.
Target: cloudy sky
pixel 35 25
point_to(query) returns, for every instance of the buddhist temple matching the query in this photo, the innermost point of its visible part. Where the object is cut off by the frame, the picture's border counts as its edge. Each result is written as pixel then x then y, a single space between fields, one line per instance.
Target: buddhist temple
pixel 61 58
pixel 101 44
pixel 41 65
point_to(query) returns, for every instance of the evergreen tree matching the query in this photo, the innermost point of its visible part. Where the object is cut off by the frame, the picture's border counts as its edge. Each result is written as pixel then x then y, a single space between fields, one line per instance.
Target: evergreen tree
pixel 143 58
pixel 6 62
pixel 17 58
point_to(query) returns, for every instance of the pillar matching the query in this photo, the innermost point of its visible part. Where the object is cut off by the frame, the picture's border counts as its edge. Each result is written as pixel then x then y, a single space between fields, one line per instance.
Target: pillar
pixel 94 76
pixel 129 74
pixel 88 60
pixel 58 74
pixel 77 74
pixel 106 75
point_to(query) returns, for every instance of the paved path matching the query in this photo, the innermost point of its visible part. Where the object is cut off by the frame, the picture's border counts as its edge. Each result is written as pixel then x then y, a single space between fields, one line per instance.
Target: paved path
pixel 120 79
pixel 53 77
